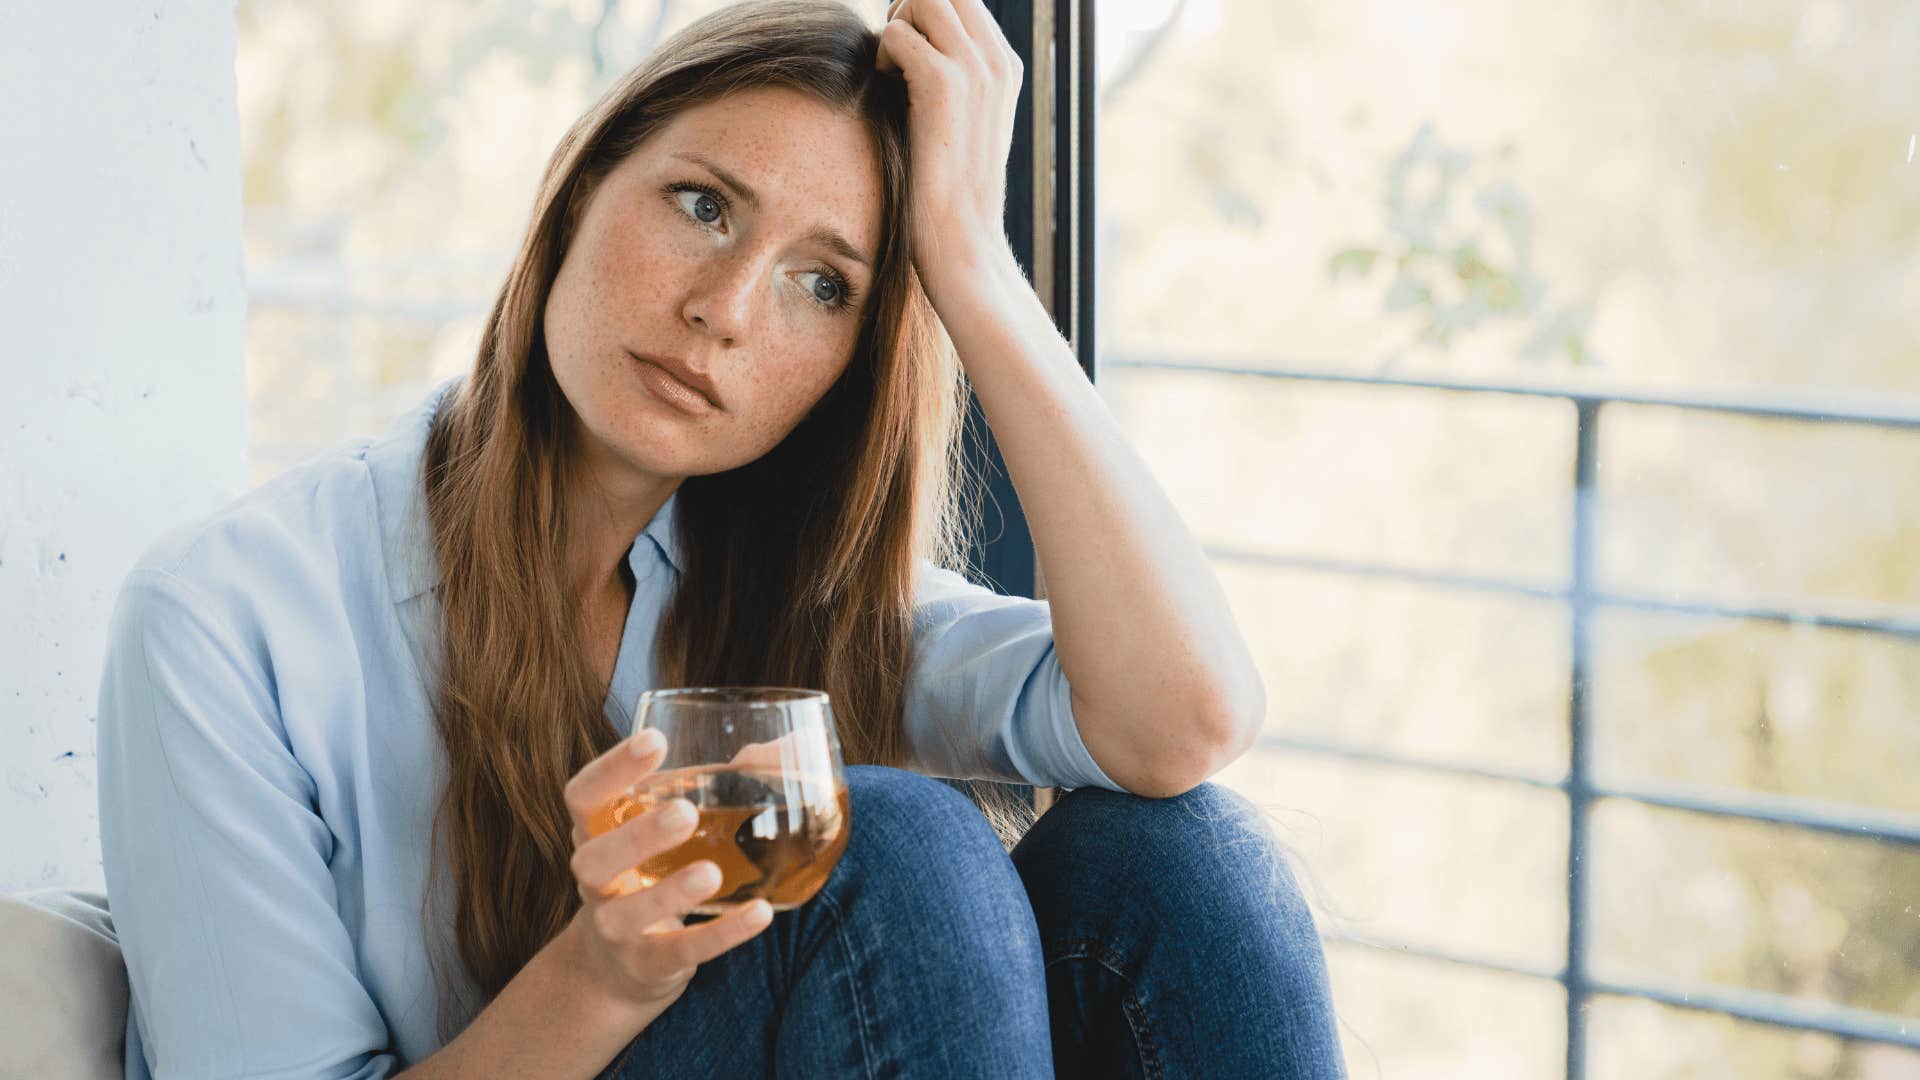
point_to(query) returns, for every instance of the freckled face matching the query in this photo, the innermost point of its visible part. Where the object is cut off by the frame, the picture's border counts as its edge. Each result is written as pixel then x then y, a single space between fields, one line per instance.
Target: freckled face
pixel 671 260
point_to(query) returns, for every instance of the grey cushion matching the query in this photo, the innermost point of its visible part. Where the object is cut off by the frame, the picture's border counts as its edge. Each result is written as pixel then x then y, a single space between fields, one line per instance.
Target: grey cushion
pixel 63 987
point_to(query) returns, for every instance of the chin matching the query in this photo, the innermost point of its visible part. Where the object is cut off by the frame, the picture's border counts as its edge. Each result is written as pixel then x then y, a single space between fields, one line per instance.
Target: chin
pixel 649 447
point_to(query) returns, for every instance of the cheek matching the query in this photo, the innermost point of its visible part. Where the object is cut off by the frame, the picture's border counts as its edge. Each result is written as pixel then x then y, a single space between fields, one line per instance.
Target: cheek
pixel 608 287
pixel 784 393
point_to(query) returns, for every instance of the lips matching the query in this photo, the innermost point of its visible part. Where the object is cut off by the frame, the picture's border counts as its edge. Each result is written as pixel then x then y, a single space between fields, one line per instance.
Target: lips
pixel 681 386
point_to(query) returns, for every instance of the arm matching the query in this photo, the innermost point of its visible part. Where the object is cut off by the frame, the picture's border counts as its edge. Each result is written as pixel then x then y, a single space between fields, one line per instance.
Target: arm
pixel 986 696
pixel 547 1021
pixel 216 865
pixel 217 873
pixel 1164 689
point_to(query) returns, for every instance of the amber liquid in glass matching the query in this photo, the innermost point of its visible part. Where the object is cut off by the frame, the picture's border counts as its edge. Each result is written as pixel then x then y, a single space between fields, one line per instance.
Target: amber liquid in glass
pixel 769 841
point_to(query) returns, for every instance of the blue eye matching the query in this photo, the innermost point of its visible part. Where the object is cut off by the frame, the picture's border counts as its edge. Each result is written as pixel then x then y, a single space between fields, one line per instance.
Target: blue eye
pixel 707 205
pixel 840 292
pixel 828 291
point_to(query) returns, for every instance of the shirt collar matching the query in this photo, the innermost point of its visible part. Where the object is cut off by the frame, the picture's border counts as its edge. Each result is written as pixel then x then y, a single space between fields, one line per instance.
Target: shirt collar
pixel 664 535
pixel 397 461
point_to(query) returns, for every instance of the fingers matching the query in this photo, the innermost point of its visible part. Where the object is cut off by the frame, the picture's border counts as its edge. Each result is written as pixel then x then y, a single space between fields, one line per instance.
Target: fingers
pixel 695 945
pixel 603 864
pixel 956 30
pixel 779 755
pixel 940 24
pixel 635 922
pixel 610 775
pixel 904 48
pixel 626 919
pixel 681 948
pixel 977 23
pixel 980 26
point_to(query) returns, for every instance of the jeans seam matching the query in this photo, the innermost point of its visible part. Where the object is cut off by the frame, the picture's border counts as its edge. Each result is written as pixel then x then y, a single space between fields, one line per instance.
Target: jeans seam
pixel 862 1027
pixel 1090 949
pixel 1148 1049
pixel 1132 1003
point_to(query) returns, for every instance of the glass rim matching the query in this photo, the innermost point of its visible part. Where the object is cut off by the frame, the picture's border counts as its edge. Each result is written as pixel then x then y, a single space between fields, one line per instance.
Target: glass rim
pixel 769 697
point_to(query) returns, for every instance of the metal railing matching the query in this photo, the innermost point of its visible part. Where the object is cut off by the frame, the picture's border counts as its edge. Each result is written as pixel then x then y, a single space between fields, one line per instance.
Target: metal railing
pixel 1583 597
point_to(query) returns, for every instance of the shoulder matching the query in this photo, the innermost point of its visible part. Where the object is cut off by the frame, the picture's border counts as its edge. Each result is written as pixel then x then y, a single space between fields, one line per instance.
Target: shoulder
pixel 950 607
pixel 938 589
pixel 308 535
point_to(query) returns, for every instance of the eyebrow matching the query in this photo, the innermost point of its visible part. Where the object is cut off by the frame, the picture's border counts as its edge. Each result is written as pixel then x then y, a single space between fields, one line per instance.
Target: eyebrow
pixel 822 235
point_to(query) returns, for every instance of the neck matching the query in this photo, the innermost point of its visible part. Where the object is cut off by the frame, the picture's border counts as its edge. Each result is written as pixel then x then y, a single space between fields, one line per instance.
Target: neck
pixel 607 508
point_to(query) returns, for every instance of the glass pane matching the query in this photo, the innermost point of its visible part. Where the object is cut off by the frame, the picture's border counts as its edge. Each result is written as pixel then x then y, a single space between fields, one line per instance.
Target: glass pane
pixel 1631 1039
pixel 1407 187
pixel 1738 508
pixel 1405 1017
pixel 1440 674
pixel 1466 866
pixel 1761 907
pixel 1399 189
pixel 1456 483
pixel 1796 710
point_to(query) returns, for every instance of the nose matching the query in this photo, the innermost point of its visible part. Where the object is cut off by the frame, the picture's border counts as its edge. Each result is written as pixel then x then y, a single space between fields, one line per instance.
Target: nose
pixel 721 298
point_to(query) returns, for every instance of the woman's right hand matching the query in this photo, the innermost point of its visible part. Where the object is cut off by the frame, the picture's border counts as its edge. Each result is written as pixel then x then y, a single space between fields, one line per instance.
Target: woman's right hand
pixel 634 943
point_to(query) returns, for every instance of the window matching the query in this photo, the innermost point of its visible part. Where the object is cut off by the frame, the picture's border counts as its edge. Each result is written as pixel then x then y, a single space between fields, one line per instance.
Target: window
pixel 1541 380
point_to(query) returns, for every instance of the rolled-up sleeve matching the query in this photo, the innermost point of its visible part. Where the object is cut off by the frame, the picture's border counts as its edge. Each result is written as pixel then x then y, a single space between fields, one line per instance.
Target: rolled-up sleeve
pixel 216 862
pixel 986 697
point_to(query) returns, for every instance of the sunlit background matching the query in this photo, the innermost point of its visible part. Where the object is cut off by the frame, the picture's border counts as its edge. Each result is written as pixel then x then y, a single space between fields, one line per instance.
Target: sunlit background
pixel 1696 224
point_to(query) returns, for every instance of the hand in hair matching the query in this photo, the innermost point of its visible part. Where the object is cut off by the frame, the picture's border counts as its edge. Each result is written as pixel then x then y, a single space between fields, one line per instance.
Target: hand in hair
pixel 636 947
pixel 963 83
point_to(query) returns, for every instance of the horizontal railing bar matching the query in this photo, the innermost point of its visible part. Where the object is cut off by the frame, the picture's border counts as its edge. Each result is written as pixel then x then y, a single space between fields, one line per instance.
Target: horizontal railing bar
pixel 1776 1010
pixel 1897 623
pixel 1839 412
pixel 1369 756
pixel 1429 952
pixel 1844 819
pixel 1894 625
pixel 1356 568
pixel 1820 815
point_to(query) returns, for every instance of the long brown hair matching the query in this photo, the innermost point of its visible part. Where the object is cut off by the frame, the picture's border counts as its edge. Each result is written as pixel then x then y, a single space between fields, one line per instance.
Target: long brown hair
pixel 797 568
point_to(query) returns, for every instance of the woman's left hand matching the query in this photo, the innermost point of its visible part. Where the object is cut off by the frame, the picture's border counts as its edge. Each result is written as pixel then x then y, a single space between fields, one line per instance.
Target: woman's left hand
pixel 963 82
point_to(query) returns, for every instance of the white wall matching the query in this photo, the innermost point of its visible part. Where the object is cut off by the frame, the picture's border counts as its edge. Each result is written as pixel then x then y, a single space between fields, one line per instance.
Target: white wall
pixel 122 389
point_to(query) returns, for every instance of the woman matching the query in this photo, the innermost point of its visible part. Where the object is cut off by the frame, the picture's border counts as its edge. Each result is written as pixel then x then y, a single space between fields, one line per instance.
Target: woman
pixel 352 724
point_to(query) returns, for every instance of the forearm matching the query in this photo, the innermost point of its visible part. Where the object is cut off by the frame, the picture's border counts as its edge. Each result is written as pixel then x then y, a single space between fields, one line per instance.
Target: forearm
pixel 1164 687
pixel 546 1022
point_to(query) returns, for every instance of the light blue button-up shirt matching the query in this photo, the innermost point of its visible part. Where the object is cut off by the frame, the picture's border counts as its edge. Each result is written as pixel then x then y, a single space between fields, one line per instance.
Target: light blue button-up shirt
pixel 269 765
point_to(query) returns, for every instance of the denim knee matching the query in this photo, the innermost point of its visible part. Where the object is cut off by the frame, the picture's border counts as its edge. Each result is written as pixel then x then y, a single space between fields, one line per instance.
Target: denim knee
pixel 917 831
pixel 1182 917
pixel 1208 856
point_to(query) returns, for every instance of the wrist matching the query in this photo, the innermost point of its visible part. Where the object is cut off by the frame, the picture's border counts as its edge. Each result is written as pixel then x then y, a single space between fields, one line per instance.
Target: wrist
pixel 977 269
pixel 574 976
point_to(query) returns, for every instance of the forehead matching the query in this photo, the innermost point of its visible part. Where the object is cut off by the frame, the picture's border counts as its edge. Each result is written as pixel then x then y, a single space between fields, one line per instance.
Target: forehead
pixel 807 161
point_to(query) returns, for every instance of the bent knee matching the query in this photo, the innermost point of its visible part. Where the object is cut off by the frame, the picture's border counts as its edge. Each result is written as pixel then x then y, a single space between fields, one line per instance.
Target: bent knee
pixel 904 812
pixel 1209 847
pixel 1208 814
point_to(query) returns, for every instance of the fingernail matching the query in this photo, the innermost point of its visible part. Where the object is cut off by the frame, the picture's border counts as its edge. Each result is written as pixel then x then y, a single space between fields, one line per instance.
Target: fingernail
pixel 704 878
pixel 681 812
pixel 759 913
pixel 647 742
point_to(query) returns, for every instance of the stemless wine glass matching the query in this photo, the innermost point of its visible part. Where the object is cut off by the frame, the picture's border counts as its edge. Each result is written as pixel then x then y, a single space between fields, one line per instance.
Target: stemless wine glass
pixel 762 766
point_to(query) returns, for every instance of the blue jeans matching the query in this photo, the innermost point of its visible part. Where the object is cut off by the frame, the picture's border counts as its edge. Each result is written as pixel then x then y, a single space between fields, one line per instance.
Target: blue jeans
pixel 1125 937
